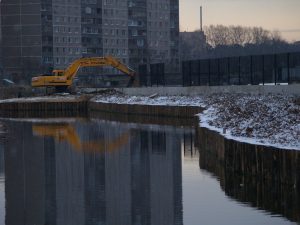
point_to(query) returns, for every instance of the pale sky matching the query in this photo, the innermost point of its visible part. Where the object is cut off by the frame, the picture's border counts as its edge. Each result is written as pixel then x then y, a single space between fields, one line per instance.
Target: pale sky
pixel 281 15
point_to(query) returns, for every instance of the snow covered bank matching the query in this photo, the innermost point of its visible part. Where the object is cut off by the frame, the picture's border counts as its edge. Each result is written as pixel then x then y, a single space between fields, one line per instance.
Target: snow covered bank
pixel 119 98
pixel 272 120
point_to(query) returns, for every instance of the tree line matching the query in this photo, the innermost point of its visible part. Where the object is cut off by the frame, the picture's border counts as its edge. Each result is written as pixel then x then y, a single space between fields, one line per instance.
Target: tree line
pixel 228 41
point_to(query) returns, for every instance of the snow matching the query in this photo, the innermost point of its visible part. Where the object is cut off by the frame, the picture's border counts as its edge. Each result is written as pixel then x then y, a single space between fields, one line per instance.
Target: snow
pixel 261 120
pixel 55 98
pixel 156 100
pixel 270 120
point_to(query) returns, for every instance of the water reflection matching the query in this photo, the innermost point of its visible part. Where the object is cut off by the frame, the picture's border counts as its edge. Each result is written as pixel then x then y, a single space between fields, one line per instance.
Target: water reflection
pixel 2 191
pixel 66 132
pixel 1 164
pixel 54 177
pixel 104 172
pixel 263 177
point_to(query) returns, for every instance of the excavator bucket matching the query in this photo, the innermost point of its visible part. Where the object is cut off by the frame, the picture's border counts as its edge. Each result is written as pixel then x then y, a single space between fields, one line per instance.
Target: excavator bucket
pixel 131 82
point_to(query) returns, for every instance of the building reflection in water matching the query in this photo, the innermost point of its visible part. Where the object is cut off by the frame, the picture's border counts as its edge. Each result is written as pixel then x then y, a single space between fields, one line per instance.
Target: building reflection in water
pixel 49 181
pixel 2 185
pixel 263 177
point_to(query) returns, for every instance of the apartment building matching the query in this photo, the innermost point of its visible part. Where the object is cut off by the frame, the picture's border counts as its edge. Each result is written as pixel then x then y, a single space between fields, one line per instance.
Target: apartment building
pixel 1 69
pixel 39 35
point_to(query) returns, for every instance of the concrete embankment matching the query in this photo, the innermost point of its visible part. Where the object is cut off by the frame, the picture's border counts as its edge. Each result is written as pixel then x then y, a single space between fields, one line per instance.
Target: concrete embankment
pixel 292 89
pixel 81 106
pixel 146 110
pixel 44 107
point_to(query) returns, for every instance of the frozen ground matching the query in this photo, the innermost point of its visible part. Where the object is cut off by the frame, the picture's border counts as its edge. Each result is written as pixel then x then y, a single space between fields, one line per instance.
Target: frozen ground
pixel 272 120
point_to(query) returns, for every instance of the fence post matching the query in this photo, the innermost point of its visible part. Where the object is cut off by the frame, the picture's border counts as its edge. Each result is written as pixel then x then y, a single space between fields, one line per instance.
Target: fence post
pixel 182 72
pixel 228 65
pixel 263 69
pixel 219 75
pixel 251 69
pixel 199 72
pixel 288 67
pixel 208 72
pixel 151 69
pixel 239 70
pixel 190 73
pixel 275 69
pixel 157 74
pixel 153 74
pixel 164 74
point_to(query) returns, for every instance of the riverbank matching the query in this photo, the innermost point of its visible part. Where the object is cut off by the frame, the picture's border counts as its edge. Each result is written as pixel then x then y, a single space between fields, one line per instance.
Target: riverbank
pixel 270 120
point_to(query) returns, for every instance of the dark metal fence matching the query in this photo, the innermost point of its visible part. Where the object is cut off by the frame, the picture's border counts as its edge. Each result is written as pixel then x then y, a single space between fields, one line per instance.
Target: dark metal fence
pixel 243 70
pixel 155 77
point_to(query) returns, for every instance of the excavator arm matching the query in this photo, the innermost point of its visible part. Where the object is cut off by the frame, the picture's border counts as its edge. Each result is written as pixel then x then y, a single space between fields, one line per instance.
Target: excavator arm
pixel 72 70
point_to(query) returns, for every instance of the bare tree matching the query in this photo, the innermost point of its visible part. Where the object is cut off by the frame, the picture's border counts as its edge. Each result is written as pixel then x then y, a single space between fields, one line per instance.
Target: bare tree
pixel 217 35
pixel 238 35
pixel 227 41
pixel 259 35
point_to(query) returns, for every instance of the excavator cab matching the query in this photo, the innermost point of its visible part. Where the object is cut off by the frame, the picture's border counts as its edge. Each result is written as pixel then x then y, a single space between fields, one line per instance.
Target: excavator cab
pixel 58 73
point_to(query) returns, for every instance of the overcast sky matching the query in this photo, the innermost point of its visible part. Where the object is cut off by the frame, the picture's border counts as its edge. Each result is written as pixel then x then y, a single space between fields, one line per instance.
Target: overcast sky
pixel 282 15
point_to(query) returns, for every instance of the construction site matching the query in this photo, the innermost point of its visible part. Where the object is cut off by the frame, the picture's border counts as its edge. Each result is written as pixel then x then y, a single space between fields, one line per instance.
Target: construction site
pixel 111 114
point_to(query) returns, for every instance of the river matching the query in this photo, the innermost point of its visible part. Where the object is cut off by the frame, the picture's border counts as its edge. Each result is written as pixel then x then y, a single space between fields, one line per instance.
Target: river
pixel 94 171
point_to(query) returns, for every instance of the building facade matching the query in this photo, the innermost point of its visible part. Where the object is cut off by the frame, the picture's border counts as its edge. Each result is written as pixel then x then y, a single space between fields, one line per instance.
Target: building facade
pixel 1 69
pixel 39 35
pixel 21 39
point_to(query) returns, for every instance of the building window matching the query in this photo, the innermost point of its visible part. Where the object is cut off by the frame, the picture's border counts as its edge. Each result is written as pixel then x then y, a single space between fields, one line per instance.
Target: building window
pixel 88 10
pixel 140 43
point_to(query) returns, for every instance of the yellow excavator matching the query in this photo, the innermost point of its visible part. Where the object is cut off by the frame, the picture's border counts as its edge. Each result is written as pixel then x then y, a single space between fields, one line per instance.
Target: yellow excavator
pixel 62 79
pixel 64 132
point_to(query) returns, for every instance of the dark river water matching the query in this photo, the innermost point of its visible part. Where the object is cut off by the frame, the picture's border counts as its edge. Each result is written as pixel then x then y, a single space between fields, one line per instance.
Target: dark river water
pixel 93 171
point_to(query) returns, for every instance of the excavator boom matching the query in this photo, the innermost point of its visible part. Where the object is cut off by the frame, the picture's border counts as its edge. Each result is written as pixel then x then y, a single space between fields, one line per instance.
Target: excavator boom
pixel 64 78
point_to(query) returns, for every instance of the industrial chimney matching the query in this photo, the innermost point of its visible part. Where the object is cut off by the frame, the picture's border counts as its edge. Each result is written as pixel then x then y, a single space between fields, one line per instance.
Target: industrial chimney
pixel 201 19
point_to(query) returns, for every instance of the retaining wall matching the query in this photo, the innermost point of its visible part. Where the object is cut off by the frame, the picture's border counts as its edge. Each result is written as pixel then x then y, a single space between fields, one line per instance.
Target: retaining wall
pixel 145 119
pixel 293 89
pixel 47 108
pixel 258 169
pixel 43 109
pixel 149 110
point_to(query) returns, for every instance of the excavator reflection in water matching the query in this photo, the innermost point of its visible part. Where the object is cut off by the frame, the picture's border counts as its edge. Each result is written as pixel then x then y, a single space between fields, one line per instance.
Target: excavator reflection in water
pixel 66 132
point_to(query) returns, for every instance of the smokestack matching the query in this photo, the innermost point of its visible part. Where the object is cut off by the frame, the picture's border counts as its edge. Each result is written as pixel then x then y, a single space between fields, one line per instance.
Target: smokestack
pixel 201 18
